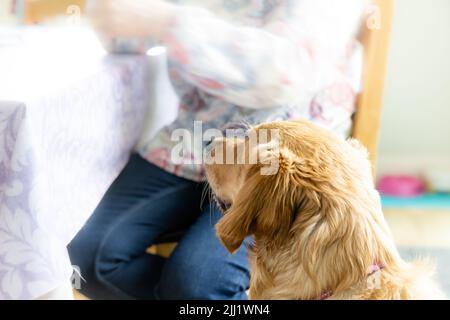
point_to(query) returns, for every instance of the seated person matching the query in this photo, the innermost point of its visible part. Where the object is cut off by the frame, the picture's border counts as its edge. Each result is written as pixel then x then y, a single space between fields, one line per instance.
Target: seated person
pixel 229 60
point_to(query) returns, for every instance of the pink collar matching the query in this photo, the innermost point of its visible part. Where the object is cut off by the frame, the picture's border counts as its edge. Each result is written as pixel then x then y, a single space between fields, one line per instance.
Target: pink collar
pixel 372 269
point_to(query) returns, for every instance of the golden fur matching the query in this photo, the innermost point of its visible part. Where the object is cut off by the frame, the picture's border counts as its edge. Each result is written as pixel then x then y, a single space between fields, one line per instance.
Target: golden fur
pixel 317 223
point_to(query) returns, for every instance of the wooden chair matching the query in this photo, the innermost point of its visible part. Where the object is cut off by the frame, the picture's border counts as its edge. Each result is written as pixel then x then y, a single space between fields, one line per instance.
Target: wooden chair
pixel 366 121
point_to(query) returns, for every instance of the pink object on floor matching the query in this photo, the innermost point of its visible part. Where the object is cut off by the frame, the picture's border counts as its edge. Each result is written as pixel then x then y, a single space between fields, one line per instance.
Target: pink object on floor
pixel 401 186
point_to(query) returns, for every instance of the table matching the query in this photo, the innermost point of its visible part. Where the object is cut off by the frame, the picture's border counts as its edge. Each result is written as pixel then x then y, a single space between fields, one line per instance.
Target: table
pixel 69 118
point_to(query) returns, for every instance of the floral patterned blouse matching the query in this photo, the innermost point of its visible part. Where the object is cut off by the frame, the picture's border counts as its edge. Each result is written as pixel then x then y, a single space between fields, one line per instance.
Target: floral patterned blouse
pixel 258 61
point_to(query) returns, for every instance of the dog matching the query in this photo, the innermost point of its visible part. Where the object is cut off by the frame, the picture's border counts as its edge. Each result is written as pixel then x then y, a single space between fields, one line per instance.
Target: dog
pixel 316 219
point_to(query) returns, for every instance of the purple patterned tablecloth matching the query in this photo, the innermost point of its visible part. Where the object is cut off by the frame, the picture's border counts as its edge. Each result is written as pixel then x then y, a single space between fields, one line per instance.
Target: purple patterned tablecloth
pixel 69 117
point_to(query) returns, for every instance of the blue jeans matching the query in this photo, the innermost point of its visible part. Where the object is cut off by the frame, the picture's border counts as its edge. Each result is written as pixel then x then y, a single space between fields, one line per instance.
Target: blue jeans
pixel 143 204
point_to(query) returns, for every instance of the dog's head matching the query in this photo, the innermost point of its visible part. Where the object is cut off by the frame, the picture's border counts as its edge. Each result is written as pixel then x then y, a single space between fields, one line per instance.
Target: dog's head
pixel 284 172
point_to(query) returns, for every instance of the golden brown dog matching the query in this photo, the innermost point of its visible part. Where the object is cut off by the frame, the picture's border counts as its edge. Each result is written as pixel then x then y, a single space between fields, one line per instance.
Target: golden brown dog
pixel 318 227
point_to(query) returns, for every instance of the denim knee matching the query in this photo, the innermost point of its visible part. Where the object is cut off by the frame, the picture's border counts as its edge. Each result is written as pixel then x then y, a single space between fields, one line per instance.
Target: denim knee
pixel 82 252
pixel 109 257
pixel 83 255
pixel 190 278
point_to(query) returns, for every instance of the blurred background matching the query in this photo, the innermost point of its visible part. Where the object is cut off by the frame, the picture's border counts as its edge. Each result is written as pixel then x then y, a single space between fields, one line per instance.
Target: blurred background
pixel 415 131
pixel 413 167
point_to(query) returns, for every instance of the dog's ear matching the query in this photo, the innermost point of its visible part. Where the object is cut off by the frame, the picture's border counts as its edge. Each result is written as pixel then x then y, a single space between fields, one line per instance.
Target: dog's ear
pixel 231 230
pixel 263 206
pixel 237 222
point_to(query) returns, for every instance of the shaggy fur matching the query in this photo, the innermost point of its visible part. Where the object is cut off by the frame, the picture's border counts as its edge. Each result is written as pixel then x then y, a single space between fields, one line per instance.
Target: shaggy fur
pixel 317 223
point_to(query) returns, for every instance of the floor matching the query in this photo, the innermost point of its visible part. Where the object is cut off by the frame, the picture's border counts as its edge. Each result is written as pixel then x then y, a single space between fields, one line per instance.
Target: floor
pixel 440 256
pixel 421 232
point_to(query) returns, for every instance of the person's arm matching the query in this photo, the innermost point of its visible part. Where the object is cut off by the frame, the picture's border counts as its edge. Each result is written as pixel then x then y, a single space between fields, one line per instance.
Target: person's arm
pixel 280 63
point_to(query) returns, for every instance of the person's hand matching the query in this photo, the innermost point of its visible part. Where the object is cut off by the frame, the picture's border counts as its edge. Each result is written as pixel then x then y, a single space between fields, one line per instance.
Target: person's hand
pixel 130 18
